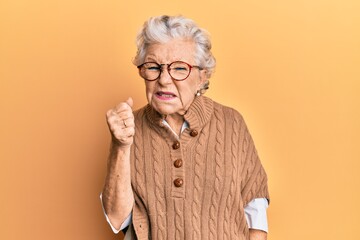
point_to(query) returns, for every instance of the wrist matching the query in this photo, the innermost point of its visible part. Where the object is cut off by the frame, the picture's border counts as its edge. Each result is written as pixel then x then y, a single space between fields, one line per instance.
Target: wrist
pixel 119 146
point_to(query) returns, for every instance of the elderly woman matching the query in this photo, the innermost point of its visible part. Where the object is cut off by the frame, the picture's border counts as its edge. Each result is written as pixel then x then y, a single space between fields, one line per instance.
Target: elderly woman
pixel 183 166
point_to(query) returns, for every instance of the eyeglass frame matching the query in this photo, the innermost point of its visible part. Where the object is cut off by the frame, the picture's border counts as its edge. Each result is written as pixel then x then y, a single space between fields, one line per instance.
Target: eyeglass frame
pixel 168 69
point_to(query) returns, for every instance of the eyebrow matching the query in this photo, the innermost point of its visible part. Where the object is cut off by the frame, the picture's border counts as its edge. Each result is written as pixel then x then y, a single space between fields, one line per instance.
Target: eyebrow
pixel 152 59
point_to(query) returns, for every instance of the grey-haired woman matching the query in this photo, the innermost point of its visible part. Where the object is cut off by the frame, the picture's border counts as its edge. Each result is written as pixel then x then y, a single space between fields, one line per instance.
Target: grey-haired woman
pixel 183 166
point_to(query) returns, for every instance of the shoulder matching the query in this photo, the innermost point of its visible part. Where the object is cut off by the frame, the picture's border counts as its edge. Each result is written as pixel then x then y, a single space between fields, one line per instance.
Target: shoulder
pixel 228 112
pixel 139 116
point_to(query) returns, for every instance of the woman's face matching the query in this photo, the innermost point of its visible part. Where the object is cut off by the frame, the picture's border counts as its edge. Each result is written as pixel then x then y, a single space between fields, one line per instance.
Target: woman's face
pixel 168 96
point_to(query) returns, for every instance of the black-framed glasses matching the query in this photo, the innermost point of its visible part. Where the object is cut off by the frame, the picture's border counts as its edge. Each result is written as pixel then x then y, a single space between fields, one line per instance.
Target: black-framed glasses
pixel 178 70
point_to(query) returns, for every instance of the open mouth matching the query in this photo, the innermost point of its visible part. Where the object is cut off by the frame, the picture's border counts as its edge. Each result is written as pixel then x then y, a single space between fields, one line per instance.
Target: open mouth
pixel 165 95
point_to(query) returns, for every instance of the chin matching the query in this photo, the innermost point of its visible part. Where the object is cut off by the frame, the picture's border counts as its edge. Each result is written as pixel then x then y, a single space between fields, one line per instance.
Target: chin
pixel 165 111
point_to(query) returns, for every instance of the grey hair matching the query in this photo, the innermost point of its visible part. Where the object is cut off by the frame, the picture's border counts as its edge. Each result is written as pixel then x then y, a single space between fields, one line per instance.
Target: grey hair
pixel 164 28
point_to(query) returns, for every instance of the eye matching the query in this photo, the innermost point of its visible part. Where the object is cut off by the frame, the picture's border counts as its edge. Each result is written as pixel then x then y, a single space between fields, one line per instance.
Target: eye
pixel 153 68
pixel 180 68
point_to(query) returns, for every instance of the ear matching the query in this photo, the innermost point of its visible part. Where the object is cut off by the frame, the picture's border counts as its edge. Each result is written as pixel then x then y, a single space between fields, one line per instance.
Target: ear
pixel 203 78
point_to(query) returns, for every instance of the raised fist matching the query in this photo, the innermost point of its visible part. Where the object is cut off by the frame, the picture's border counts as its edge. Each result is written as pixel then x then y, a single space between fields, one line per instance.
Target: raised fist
pixel 121 123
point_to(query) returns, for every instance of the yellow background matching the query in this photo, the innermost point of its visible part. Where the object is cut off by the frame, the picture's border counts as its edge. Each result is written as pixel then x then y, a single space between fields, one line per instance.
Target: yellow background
pixel 292 68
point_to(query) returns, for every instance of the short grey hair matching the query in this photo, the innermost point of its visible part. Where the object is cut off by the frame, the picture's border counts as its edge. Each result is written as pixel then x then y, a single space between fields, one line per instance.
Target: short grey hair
pixel 164 28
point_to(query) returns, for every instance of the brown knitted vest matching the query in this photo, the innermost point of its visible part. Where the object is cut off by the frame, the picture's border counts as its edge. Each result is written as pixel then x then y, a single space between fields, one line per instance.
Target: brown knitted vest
pixel 194 187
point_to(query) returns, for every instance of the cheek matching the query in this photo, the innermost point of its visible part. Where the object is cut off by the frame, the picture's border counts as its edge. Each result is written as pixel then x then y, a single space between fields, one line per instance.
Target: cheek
pixel 149 88
pixel 187 92
pixel 189 88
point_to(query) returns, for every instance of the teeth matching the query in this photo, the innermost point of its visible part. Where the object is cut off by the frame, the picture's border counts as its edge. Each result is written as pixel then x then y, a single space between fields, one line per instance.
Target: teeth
pixel 166 95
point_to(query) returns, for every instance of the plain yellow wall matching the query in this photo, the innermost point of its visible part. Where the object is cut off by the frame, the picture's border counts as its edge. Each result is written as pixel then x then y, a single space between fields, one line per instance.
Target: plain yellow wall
pixel 292 68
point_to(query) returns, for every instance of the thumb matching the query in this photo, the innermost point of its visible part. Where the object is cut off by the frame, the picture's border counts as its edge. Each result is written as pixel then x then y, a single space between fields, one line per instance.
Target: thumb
pixel 130 102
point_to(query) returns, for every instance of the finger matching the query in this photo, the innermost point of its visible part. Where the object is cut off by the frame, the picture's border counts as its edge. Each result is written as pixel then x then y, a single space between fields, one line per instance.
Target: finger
pixel 125 115
pixel 123 106
pixel 111 115
pixel 128 123
pixel 123 134
pixel 108 114
pixel 129 132
pixel 130 102
pixel 116 123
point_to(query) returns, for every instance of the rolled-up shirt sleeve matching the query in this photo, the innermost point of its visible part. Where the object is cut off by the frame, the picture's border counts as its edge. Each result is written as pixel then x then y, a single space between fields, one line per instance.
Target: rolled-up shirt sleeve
pixel 125 224
pixel 255 214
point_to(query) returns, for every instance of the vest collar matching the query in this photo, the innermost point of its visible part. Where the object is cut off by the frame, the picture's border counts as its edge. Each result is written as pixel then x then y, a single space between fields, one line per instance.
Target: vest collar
pixel 198 114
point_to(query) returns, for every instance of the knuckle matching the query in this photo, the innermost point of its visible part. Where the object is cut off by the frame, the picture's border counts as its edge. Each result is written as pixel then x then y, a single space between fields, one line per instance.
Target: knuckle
pixel 109 113
pixel 121 106
pixel 112 121
pixel 131 132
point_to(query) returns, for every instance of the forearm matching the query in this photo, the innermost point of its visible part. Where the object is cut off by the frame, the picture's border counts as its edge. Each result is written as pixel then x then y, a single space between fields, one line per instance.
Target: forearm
pixel 257 234
pixel 117 194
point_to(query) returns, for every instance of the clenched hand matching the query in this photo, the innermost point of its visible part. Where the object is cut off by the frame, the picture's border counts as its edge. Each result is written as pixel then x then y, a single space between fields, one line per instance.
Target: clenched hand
pixel 121 123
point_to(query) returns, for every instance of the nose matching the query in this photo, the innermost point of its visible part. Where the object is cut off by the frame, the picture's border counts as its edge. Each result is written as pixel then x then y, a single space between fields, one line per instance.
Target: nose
pixel 165 77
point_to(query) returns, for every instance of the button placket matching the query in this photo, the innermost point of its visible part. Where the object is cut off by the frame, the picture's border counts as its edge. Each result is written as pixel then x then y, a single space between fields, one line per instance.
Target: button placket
pixel 177 170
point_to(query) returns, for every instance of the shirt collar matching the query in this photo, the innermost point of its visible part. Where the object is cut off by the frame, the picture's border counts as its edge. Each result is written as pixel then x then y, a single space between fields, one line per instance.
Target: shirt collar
pixel 183 127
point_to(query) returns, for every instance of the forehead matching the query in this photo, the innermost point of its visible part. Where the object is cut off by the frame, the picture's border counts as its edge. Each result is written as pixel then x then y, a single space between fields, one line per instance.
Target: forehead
pixel 173 50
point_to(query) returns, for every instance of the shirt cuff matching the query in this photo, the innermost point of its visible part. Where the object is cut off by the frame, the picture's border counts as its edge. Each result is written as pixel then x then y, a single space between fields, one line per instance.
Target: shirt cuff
pixel 255 214
pixel 123 225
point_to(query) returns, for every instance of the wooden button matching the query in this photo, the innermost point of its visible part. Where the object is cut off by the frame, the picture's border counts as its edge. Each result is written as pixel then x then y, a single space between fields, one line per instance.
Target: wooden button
pixel 176 145
pixel 178 182
pixel 178 163
pixel 194 133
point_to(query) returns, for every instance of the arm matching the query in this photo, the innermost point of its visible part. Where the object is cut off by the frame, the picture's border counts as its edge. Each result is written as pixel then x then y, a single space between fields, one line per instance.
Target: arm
pixel 123 226
pixel 117 193
pixel 257 234
pixel 254 189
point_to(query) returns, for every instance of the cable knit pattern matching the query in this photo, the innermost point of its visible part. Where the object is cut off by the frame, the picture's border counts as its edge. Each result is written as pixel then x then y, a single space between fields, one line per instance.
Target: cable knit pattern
pixel 196 205
pixel 178 222
pixel 194 187
pixel 218 173
pixel 158 176
pixel 139 169
pixel 234 166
